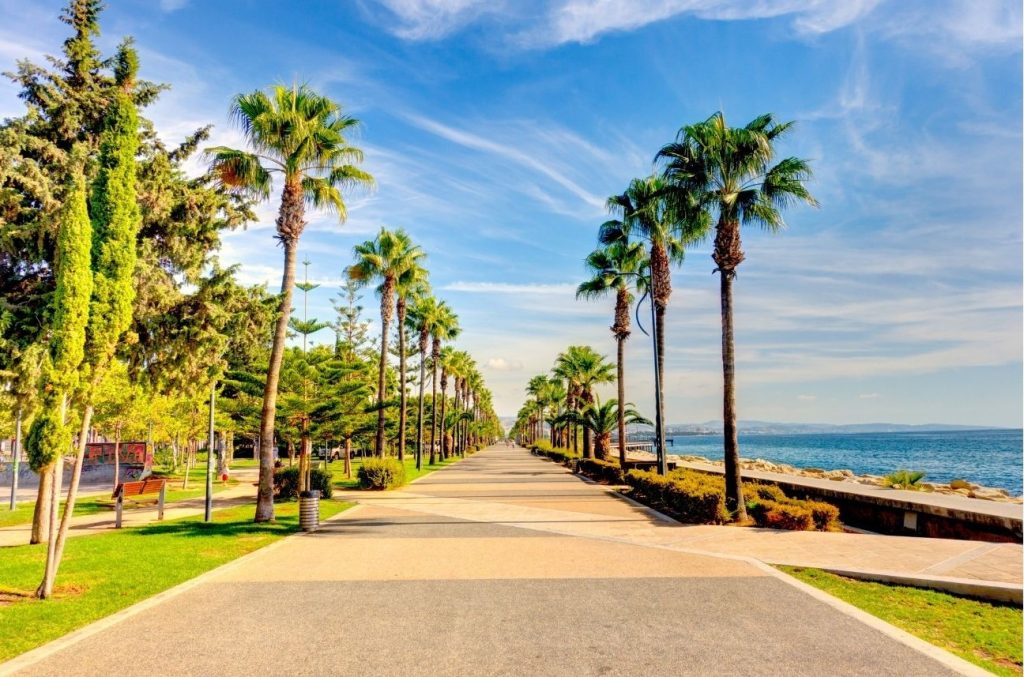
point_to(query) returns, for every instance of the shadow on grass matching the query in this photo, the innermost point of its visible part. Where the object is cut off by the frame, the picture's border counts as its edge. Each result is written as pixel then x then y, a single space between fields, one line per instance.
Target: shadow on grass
pixel 192 528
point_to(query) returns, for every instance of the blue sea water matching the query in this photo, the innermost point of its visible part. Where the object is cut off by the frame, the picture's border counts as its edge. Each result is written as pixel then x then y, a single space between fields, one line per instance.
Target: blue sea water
pixel 992 458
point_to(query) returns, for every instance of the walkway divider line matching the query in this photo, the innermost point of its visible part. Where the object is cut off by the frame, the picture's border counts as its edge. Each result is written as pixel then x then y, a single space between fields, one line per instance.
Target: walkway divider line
pixel 32 657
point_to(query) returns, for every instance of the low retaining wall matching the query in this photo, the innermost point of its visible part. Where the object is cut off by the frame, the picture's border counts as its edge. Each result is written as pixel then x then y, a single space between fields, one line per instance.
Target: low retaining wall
pixel 903 513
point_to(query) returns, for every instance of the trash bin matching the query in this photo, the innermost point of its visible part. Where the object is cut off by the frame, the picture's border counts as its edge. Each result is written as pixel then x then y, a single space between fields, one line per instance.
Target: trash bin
pixel 309 510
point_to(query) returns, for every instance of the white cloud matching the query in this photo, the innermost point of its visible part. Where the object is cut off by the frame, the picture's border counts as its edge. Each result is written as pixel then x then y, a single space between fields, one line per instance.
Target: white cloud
pixel 476 142
pixel 433 19
pixel 869 396
pixel 584 20
pixel 807 398
pixel 512 288
pixel 172 5
pixel 501 364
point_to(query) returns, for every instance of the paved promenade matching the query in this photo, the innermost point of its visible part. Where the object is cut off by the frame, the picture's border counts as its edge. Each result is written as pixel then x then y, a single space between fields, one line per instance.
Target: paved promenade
pixel 503 564
pixel 100 522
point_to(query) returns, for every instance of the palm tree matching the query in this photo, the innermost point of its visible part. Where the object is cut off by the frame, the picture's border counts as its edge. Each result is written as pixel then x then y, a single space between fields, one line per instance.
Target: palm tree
pixel 387 258
pixel 616 266
pixel 644 214
pixel 422 317
pixel 300 136
pixel 445 328
pixel 728 171
pixel 584 368
pixel 410 285
pixel 601 419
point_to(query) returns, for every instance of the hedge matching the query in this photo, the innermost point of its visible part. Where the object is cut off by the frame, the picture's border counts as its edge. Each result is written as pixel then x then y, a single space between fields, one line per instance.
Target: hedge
pixel 557 454
pixel 771 508
pixel 381 473
pixel 605 471
pixel 689 496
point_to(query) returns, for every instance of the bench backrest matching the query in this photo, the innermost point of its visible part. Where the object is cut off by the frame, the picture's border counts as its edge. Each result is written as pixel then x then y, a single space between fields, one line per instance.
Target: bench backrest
pixel 147 486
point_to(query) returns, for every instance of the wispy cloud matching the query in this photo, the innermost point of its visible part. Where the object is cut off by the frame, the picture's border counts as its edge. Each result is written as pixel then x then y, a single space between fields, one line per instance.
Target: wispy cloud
pixel 501 364
pixel 511 288
pixel 479 143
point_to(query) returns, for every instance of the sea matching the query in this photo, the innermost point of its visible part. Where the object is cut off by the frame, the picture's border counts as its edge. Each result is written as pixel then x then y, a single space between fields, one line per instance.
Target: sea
pixel 991 458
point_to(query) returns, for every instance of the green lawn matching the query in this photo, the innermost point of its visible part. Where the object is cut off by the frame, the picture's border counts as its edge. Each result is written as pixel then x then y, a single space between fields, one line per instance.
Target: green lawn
pixel 342 482
pixel 95 504
pixel 104 573
pixel 986 634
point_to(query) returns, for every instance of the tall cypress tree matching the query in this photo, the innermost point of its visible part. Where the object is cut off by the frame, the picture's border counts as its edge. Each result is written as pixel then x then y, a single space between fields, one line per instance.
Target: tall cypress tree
pixel 115 225
pixel 49 437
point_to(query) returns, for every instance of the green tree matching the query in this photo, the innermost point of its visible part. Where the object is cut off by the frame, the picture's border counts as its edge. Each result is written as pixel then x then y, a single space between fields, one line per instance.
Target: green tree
pixel 583 369
pixel 299 135
pixel 409 286
pixel 387 258
pixel 445 328
pixel 729 171
pixel 616 267
pixel 601 419
pixel 115 226
pixel 49 437
pixel 423 315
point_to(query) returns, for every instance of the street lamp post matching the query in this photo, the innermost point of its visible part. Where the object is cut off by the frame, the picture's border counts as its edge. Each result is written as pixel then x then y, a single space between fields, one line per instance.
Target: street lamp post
pixel 209 458
pixel 16 452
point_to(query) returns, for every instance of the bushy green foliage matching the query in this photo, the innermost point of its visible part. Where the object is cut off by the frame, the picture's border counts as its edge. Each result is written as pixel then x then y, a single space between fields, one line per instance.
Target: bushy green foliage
pixel 772 509
pixel 904 479
pixel 49 436
pixel 116 218
pixel 774 515
pixel 605 471
pixel 286 482
pixel 689 496
pixel 381 473
pixel 557 454
pixel 47 439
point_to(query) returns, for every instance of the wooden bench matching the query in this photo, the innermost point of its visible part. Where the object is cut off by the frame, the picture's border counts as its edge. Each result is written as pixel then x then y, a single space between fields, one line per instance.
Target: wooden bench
pixel 137 493
pixel 646 465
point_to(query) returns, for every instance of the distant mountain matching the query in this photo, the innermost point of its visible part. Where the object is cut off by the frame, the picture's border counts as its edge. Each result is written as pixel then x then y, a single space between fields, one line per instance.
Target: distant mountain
pixel 774 427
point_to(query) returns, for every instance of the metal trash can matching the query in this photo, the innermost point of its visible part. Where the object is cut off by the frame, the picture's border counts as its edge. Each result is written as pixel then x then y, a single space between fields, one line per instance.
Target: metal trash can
pixel 309 510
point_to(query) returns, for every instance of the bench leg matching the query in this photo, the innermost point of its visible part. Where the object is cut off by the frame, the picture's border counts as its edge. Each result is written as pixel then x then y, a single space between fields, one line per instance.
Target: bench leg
pixel 160 504
pixel 118 508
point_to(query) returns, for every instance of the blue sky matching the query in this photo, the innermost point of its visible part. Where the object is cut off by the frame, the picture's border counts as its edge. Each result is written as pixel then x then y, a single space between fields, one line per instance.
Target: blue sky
pixel 496 129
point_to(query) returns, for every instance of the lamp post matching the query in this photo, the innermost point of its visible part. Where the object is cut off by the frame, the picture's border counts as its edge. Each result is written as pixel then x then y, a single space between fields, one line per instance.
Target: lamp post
pixel 209 458
pixel 16 452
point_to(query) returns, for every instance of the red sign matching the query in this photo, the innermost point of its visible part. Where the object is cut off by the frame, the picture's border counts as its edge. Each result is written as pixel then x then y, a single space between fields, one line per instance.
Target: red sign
pixel 102 453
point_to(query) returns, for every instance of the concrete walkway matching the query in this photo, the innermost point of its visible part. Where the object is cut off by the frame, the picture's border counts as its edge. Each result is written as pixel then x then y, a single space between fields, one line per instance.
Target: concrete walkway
pixel 100 522
pixel 503 564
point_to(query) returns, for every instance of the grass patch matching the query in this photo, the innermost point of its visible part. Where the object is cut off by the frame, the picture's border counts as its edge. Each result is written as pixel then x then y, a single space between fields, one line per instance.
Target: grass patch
pixel 984 633
pixel 91 505
pixel 105 573
pixel 342 482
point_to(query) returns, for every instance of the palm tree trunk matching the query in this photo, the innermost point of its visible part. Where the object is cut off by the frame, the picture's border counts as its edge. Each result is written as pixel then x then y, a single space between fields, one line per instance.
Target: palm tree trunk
pixel 733 482
pixel 444 408
pixel 419 420
pixel 402 404
pixel 387 300
pixel 290 222
pixel 620 350
pixel 435 355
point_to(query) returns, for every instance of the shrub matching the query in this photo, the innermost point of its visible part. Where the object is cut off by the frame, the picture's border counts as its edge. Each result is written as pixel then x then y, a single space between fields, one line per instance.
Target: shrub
pixel 756 492
pixel 544 448
pixel 286 482
pixel 690 496
pixel 960 484
pixel 825 515
pixel 605 471
pixel 773 515
pixel 904 479
pixel 381 473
